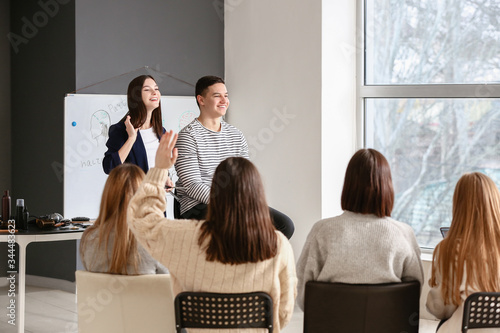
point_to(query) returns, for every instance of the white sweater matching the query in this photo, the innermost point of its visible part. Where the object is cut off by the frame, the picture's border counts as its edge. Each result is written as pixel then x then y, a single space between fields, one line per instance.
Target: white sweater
pixel 453 314
pixel 174 243
pixel 359 249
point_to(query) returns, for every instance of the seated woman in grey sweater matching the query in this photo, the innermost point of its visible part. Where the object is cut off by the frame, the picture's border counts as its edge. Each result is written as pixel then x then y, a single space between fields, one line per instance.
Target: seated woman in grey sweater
pixel 364 245
pixel 108 246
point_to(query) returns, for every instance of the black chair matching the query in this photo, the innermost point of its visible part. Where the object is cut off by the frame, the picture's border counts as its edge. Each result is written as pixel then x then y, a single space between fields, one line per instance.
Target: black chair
pixel 219 311
pixel 481 310
pixel 361 308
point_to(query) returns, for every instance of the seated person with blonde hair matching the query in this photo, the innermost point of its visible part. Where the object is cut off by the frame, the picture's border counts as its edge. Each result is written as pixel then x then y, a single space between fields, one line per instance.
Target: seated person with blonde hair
pixel 108 246
pixel 467 260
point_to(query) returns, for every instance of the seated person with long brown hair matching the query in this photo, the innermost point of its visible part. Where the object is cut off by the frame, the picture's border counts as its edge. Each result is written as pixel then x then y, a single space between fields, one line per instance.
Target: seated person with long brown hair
pixel 235 250
pixel 364 245
pixel 467 260
pixel 108 246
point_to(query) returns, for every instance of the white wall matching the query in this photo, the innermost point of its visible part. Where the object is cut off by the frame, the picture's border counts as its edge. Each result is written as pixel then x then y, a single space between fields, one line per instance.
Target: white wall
pixel 276 65
pixel 273 75
pixel 339 46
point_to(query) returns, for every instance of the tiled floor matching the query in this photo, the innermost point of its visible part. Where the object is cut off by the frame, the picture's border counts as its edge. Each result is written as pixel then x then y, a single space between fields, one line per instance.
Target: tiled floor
pixel 54 311
pixel 47 310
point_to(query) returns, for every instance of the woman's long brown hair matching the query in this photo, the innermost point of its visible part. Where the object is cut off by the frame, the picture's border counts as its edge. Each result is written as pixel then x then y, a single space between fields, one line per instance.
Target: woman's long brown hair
pixel 239 228
pixel 137 109
pixel 472 243
pixel 122 183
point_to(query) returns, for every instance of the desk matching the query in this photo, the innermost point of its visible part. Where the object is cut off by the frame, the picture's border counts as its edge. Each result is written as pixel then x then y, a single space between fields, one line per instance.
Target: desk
pixel 23 238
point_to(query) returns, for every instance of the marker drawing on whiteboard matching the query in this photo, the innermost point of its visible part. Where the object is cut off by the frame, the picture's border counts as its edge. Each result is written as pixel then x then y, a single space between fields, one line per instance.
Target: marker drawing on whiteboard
pixel 185 118
pixel 100 121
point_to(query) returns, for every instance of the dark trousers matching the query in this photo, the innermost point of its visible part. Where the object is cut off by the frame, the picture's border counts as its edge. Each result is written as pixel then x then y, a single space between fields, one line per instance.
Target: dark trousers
pixel 281 221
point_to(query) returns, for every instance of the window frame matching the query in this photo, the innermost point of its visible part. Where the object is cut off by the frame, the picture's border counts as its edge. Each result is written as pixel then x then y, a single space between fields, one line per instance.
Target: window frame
pixel 401 91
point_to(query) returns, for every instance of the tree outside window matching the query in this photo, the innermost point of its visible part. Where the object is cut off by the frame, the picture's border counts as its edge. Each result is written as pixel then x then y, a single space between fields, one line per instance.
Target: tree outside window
pixel 431 100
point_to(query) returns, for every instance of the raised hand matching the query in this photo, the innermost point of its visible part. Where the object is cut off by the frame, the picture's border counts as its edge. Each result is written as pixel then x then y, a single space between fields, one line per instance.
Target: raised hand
pixel 131 131
pixel 166 155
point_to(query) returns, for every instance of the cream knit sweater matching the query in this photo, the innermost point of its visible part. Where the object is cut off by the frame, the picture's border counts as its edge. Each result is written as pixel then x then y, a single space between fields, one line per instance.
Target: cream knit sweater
pixel 359 249
pixel 174 243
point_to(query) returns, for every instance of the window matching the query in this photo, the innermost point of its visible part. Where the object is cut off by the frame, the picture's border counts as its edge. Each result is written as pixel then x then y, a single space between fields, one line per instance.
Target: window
pixel 429 100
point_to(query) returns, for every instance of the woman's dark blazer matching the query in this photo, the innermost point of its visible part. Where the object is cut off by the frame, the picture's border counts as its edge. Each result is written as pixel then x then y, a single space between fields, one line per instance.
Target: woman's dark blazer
pixel 117 137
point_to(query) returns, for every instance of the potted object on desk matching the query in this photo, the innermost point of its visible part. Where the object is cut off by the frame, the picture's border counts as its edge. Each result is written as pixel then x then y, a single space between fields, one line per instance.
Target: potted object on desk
pixel 21 219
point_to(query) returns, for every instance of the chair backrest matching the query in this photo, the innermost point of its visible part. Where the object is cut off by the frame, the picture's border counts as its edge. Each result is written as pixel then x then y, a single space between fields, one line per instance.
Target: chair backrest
pixel 481 310
pixel 361 308
pixel 124 303
pixel 214 310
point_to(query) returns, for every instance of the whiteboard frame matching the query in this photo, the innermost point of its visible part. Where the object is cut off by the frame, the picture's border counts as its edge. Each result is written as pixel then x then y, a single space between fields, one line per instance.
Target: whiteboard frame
pixel 84 144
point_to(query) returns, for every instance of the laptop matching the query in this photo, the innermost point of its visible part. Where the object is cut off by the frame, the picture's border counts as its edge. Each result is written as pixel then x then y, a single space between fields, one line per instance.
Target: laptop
pixel 444 231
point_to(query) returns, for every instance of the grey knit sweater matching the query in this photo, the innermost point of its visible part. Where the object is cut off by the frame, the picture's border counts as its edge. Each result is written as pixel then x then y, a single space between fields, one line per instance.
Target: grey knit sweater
pixel 357 248
pixel 95 260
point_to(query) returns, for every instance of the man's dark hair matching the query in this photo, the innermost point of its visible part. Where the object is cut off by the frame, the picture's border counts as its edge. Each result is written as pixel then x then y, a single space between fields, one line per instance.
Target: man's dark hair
pixel 203 84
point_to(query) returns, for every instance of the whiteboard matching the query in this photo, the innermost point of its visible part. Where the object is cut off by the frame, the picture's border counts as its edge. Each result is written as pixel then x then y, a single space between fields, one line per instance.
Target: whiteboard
pixel 87 119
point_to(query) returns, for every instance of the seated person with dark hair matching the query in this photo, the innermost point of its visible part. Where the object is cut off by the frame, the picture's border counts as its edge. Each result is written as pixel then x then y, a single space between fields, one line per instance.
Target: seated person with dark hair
pixel 364 245
pixel 236 249
pixel 203 145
